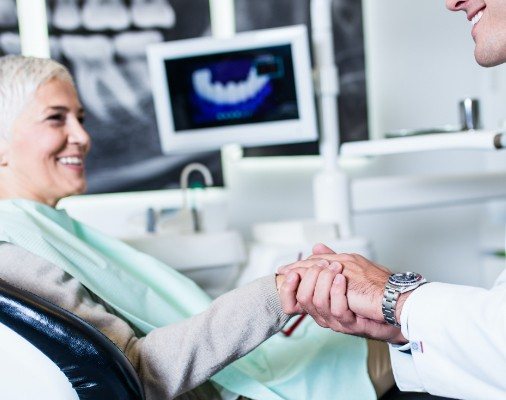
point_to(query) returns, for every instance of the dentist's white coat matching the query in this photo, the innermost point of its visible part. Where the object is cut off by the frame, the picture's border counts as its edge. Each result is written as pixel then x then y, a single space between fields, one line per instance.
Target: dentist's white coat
pixel 457 336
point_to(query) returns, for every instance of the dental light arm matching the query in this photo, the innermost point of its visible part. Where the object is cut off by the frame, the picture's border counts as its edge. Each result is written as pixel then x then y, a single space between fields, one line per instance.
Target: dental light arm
pixel 475 140
pixel 331 185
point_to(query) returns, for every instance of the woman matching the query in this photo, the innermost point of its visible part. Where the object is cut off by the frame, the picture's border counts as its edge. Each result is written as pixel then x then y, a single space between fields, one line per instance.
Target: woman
pixel 143 306
pixel 43 146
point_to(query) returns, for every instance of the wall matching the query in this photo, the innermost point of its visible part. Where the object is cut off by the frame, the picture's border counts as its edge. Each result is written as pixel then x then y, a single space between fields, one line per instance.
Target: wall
pixel 420 63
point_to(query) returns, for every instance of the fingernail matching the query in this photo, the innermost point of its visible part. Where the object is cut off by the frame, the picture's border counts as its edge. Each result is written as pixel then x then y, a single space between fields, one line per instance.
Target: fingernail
pixel 335 266
pixel 291 278
pixel 322 263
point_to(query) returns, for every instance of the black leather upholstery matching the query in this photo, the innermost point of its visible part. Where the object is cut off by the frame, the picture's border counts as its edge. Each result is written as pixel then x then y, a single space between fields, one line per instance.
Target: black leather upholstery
pixel 95 367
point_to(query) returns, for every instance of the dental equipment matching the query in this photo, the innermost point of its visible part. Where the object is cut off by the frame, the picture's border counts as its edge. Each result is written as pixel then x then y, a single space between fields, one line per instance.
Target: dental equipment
pixel 470 114
pixel 466 140
pixel 469 111
pixel 254 89
pixel 222 14
pixel 331 188
pixel 208 181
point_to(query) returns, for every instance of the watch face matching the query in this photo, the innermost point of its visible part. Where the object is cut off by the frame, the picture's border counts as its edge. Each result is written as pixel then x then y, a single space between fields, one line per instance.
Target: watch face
pixel 405 279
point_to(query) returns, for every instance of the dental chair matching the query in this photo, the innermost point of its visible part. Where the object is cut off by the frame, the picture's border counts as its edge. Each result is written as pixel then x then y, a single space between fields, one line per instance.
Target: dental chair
pixel 49 353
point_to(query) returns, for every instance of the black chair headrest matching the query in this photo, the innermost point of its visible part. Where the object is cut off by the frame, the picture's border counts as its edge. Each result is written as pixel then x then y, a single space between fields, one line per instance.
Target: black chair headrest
pixel 95 367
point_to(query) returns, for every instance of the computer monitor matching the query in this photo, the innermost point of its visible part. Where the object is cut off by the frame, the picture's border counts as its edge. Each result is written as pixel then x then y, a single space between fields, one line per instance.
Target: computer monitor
pixel 254 89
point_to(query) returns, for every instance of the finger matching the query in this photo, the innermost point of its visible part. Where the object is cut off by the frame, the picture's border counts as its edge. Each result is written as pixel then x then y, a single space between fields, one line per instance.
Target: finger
pixel 320 248
pixel 302 264
pixel 288 294
pixel 300 271
pixel 321 297
pixel 306 289
pixel 375 330
pixel 337 267
pixel 339 302
pixel 340 257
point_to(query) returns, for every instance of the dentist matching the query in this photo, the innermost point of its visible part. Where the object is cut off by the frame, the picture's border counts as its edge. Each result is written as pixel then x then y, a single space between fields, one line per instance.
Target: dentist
pixel 448 340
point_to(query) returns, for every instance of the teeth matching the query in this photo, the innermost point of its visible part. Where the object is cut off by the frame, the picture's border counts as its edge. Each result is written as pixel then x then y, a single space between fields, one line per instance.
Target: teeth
pixel 477 18
pixel 71 160
pixel 99 15
pixel 132 45
pixel 231 93
pixel 66 15
pixel 92 58
pixel 153 14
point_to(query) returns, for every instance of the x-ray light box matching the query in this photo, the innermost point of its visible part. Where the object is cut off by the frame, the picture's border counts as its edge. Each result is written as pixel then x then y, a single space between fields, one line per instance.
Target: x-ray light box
pixel 253 89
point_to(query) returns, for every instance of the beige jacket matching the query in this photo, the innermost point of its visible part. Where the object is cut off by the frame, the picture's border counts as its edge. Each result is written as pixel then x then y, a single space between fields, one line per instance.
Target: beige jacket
pixel 170 360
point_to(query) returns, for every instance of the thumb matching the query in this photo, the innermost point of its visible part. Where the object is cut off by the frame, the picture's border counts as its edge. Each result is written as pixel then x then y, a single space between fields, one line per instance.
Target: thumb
pixel 288 294
pixel 320 248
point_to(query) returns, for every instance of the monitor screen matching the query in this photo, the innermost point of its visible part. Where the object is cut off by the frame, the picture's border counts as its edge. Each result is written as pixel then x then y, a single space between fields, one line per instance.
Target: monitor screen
pixel 252 89
pixel 232 88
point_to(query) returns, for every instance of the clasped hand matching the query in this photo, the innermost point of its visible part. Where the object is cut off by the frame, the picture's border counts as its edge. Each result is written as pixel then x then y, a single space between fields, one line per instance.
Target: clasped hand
pixel 342 292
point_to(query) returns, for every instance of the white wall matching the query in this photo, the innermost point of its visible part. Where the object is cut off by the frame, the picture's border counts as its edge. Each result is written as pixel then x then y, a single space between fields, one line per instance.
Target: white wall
pixel 420 63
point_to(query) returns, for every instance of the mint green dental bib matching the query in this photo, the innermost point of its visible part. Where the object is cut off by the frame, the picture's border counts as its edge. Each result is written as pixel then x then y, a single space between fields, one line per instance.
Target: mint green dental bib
pixel 312 364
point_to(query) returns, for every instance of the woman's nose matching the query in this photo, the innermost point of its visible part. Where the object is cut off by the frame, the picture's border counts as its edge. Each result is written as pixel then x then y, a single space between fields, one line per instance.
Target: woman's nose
pixel 78 135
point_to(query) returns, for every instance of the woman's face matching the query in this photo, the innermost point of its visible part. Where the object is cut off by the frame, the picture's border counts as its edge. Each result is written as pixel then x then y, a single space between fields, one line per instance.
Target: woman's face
pixel 44 156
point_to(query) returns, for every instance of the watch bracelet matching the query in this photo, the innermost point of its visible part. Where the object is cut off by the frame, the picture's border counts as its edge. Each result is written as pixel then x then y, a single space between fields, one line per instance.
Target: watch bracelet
pixel 388 305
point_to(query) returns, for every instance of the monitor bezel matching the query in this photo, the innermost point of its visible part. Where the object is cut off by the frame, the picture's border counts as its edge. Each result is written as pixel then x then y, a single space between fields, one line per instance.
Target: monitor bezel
pixel 303 129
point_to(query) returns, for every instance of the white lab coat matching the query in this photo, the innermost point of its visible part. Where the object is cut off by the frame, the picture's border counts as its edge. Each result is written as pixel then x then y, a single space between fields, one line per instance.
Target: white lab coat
pixel 457 336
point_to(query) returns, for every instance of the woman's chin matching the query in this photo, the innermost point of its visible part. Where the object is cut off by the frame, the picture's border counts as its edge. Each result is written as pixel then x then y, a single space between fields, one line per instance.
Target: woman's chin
pixel 76 189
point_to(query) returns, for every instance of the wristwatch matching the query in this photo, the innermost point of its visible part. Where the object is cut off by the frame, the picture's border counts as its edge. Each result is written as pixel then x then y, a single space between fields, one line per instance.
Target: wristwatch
pixel 397 284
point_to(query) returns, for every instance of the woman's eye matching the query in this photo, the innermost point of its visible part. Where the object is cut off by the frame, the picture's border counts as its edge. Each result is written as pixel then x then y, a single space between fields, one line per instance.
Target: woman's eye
pixel 56 117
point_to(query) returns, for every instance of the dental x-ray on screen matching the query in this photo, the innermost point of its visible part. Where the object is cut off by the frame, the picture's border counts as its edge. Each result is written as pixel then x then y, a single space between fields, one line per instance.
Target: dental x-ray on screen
pixel 253 89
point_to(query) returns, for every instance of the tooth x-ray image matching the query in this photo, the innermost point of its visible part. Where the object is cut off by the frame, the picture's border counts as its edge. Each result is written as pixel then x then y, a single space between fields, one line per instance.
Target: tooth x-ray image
pixel 232 88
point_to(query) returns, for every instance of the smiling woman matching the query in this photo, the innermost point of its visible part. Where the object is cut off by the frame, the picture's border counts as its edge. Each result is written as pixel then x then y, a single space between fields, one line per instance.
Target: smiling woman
pixel 43 146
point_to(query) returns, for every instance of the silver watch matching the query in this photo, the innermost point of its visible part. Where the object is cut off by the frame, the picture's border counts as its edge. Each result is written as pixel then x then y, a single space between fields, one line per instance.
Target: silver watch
pixel 397 284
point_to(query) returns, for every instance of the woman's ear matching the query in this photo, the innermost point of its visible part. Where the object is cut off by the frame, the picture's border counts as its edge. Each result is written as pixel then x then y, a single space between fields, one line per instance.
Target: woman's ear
pixel 4 151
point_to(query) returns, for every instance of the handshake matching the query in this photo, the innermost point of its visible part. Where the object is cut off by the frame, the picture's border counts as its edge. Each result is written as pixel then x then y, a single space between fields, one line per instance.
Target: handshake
pixel 343 292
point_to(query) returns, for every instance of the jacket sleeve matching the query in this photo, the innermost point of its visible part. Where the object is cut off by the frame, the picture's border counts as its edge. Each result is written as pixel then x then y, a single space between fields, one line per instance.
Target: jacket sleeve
pixel 169 360
pixel 457 336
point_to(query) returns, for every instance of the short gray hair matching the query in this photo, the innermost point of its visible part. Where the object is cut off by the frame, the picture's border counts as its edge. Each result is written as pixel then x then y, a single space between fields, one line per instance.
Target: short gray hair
pixel 20 77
